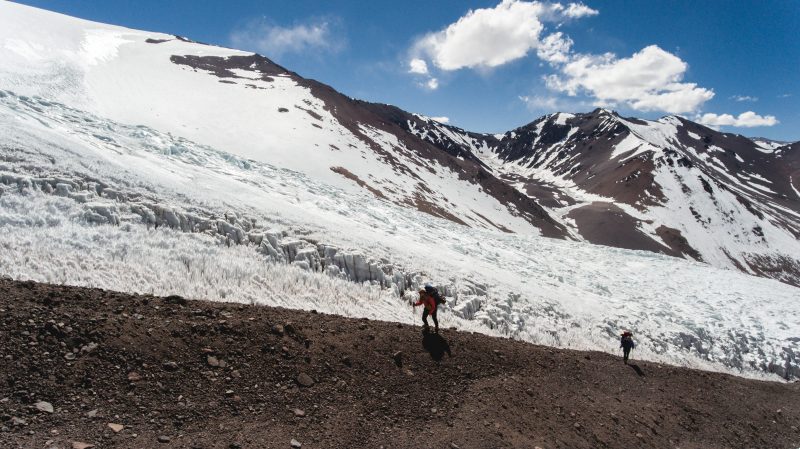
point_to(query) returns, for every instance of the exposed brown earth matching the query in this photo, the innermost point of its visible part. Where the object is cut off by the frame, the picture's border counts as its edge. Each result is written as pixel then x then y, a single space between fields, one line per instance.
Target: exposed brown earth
pixel 134 371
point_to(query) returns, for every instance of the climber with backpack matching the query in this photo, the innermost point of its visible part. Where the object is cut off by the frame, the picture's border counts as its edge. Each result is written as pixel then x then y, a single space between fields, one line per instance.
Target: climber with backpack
pixel 626 343
pixel 430 299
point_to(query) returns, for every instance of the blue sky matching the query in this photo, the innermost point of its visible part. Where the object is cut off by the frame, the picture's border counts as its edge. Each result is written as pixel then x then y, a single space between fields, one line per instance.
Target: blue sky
pixel 492 66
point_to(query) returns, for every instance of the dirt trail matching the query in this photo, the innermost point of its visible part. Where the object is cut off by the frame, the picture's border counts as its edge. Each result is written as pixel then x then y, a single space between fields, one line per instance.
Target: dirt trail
pixel 196 374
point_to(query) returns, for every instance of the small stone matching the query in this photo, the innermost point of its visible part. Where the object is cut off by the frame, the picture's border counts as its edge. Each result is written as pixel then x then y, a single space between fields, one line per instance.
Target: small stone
pixel 17 422
pixel 299 412
pixel 175 299
pixel 577 425
pixel 91 413
pixel 639 435
pixel 278 330
pixel 164 439
pixel 229 392
pixel 169 366
pixel 454 446
pixel 81 445
pixel 133 376
pixel 295 443
pixel 69 356
pixel 43 406
pixel 305 380
pixel 212 361
pixel 117 428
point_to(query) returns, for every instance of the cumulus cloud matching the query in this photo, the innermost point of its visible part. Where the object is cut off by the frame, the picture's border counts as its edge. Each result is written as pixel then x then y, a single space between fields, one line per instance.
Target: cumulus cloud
pixel 270 39
pixel 747 119
pixel 743 98
pixel 578 10
pixel 651 79
pixel 418 66
pixel 648 80
pixel 575 10
pixel 486 37
pixel 490 37
pixel 555 48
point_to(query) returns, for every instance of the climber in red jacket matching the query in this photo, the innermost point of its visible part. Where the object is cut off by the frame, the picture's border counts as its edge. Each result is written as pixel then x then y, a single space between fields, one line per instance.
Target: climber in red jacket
pixel 428 299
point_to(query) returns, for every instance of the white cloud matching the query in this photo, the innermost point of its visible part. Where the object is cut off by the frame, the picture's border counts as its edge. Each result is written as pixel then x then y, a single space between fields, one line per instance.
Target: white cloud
pixel 578 10
pixel 555 48
pixel 648 80
pixel 432 84
pixel 486 37
pixel 274 40
pixel 747 119
pixel 743 98
pixel 548 103
pixel 441 119
pixel 536 102
pixel 418 66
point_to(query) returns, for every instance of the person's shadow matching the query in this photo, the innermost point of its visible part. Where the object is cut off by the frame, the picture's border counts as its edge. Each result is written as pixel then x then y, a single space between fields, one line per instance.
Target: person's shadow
pixel 637 369
pixel 436 345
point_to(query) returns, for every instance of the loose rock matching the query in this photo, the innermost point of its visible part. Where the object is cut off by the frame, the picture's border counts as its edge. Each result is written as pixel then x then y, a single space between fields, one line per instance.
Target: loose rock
pixel 43 406
pixel 305 380
pixel 81 445
pixel 169 366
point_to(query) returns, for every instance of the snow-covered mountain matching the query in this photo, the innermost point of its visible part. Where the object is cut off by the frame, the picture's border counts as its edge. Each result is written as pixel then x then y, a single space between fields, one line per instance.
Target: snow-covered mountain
pixel 141 161
pixel 247 105
pixel 671 186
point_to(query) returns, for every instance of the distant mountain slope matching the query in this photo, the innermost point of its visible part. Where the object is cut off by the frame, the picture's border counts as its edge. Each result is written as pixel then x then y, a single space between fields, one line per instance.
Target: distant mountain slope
pixel 671 186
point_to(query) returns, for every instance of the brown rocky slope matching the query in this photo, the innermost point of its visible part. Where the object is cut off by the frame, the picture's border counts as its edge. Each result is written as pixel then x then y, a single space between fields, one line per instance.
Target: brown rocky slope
pixel 172 373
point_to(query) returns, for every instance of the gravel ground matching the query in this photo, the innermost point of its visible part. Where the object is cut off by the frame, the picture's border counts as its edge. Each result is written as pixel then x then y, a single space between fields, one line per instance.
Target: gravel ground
pixel 84 368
